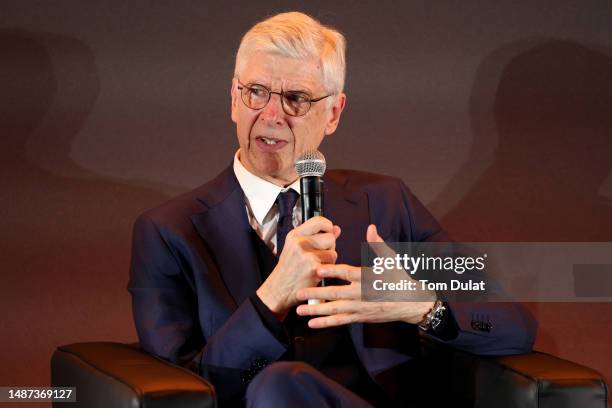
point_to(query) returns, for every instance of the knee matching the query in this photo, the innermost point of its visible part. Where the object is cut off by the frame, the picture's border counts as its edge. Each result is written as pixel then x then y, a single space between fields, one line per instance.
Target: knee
pixel 281 374
pixel 279 380
pixel 287 369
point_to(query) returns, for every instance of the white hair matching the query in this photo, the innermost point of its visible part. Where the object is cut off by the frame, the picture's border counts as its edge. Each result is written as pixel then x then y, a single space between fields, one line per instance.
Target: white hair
pixel 297 35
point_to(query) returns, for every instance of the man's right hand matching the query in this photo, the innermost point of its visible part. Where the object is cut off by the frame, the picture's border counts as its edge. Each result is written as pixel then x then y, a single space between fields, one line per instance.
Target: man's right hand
pixel 306 248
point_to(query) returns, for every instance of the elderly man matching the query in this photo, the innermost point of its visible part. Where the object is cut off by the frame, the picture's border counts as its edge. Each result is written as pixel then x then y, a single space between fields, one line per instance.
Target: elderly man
pixel 220 275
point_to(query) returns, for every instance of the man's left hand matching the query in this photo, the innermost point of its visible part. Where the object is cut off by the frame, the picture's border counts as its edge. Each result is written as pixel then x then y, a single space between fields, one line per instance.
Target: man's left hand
pixel 343 302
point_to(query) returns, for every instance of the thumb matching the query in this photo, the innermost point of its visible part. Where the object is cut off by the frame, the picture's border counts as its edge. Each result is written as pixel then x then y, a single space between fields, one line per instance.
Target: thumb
pixel 337 231
pixel 372 234
pixel 380 248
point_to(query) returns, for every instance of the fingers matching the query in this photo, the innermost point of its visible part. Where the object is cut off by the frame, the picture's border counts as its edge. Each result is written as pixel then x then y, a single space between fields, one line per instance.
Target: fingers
pixel 329 308
pixel 342 271
pixel 316 233
pixel 334 292
pixel 326 256
pixel 313 226
pixel 341 312
pixel 320 241
pixel 330 321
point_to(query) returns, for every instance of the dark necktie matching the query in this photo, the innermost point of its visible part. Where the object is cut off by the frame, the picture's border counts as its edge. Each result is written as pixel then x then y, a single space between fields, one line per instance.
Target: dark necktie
pixel 285 202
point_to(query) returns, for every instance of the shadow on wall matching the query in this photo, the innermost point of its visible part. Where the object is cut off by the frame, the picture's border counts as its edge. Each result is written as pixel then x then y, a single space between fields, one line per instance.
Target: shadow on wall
pixel 542 128
pixel 66 238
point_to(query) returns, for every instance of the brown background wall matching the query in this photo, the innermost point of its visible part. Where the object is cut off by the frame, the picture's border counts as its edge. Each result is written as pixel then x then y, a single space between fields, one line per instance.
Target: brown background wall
pixel 497 115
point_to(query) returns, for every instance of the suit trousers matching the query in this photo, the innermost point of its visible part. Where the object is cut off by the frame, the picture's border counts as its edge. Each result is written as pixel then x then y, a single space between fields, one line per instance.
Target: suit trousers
pixel 298 384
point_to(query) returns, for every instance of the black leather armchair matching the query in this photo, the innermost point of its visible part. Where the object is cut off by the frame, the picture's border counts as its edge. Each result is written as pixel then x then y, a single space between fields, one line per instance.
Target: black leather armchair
pixel 115 375
pixel 120 375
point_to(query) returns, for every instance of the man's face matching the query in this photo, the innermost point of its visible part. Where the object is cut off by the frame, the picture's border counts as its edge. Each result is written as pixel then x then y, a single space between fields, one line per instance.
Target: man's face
pixel 293 135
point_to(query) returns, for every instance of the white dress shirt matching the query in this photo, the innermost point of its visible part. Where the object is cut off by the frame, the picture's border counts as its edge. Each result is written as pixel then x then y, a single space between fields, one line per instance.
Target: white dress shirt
pixel 261 205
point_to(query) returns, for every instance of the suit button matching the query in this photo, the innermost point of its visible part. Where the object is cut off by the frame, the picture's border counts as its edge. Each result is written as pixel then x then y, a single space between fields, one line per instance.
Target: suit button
pixel 481 326
pixel 298 339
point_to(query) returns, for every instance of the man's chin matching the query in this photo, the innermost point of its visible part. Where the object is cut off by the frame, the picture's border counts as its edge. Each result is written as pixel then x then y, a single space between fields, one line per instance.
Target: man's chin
pixel 278 176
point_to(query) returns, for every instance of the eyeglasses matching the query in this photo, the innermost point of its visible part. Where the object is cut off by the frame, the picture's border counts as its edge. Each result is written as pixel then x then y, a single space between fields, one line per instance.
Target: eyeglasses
pixel 295 103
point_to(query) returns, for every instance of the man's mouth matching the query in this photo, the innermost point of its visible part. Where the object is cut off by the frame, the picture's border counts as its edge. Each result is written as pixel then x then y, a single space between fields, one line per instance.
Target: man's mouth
pixel 270 144
pixel 268 141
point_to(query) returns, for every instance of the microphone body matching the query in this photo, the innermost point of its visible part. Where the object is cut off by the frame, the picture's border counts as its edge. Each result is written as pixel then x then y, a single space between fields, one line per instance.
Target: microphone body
pixel 310 166
pixel 312 196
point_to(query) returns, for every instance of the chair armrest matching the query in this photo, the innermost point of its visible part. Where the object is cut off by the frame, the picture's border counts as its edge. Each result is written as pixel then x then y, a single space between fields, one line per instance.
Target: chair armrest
pixel 529 380
pixel 120 375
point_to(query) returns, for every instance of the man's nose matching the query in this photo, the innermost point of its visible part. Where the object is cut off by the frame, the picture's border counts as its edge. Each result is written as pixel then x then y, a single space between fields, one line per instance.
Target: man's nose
pixel 273 111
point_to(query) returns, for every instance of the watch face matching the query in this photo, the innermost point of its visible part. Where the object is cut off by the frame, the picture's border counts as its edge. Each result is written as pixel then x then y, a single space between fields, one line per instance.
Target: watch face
pixel 435 323
pixel 438 317
pixel 435 317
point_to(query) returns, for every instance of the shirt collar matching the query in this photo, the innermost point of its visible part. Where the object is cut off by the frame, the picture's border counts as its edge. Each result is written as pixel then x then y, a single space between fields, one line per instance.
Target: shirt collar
pixel 260 194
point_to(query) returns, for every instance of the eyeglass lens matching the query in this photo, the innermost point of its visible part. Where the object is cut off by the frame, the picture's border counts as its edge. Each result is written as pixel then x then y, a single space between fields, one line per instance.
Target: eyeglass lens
pixel 257 97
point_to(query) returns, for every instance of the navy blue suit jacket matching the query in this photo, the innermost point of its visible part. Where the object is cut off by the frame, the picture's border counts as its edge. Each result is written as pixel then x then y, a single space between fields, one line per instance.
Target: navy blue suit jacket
pixel 194 268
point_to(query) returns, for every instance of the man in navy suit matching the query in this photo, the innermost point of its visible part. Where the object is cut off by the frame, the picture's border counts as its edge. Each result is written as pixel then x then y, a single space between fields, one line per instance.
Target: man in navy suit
pixel 220 275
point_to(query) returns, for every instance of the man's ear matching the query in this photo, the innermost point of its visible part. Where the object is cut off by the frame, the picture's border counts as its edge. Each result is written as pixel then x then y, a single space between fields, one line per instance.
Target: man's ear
pixel 234 93
pixel 336 111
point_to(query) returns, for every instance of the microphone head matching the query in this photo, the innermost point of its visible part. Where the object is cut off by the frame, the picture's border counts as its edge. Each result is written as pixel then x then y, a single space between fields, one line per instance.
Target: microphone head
pixel 310 163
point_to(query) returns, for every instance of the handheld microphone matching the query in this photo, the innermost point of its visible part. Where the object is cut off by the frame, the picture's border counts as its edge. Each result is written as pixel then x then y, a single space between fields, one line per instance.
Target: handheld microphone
pixel 310 166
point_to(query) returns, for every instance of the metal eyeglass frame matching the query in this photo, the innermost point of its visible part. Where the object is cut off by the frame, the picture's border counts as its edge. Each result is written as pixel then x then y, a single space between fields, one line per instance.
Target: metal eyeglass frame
pixel 282 94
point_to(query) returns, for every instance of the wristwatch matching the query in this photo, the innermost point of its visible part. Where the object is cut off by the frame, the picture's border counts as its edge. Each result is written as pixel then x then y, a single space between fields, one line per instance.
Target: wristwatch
pixel 434 319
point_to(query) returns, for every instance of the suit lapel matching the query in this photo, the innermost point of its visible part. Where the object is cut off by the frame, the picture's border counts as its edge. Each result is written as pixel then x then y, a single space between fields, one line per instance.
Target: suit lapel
pixel 225 228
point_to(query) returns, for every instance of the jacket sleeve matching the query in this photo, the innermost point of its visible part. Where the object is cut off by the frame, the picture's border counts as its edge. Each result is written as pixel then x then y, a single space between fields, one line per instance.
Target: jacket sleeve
pixel 166 313
pixel 482 328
